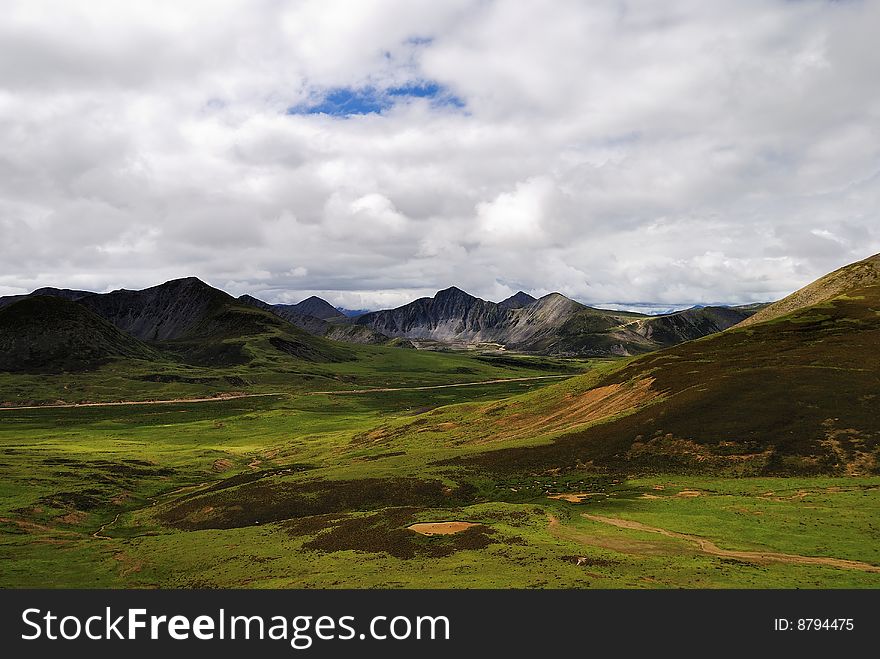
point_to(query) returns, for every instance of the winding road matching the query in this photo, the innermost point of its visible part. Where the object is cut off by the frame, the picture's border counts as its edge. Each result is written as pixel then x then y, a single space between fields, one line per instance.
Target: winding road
pixel 435 386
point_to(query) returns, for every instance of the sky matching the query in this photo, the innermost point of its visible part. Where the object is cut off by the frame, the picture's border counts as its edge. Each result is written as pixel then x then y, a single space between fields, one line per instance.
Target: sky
pixel 372 152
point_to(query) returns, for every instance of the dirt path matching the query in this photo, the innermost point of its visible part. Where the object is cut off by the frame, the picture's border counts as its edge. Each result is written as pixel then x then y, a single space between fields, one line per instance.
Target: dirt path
pixel 100 532
pixel 139 402
pixel 434 386
pixel 238 396
pixel 709 547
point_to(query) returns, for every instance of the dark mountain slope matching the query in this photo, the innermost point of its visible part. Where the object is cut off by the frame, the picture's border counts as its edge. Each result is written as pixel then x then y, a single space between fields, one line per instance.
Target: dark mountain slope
pixel 315 307
pixel 172 310
pixel 45 334
pixel 451 315
pixel 517 300
pixel 204 325
pixel 63 293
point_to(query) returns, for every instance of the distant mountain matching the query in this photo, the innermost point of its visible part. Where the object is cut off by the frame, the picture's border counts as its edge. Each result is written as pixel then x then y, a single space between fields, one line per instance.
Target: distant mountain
pixel 517 301
pixel 63 293
pixel 553 324
pixel 451 315
pixel 690 324
pixel 336 331
pixel 860 273
pixel 44 333
pixel 315 307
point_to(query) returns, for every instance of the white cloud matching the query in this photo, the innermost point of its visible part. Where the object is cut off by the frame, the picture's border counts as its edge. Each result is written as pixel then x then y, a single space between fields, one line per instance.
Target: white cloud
pixel 675 152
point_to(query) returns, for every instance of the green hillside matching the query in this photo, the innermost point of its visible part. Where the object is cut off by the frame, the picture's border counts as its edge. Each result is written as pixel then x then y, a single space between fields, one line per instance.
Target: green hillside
pixel 855 275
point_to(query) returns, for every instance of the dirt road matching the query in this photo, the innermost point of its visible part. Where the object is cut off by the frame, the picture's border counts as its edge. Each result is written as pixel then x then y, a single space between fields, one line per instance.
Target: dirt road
pixel 238 396
pixel 138 402
pixel 434 386
pixel 709 547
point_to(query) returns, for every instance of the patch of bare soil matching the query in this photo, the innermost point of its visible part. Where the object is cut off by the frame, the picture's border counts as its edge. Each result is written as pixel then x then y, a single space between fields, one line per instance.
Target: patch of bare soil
pixel 221 465
pixel 574 497
pixel 709 547
pixel 440 528
pixel 690 493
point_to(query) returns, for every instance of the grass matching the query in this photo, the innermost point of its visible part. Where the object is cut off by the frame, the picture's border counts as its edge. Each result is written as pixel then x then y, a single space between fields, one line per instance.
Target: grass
pixel 311 489
pixel 68 473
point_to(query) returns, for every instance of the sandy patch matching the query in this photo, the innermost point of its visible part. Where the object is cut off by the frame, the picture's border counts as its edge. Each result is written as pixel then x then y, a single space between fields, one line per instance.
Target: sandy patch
pixel 221 465
pixel 574 497
pixel 690 493
pixel 440 528
pixel 649 496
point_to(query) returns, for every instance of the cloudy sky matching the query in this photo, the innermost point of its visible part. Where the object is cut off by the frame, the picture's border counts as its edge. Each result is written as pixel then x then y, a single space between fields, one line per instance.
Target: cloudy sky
pixel 372 152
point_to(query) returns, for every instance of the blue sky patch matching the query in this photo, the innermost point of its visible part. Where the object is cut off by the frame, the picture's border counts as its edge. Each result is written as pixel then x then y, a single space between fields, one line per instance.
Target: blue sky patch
pixel 350 101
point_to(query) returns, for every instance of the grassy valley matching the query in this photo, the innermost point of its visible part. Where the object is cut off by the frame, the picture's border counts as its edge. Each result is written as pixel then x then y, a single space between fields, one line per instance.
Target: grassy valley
pixel 748 458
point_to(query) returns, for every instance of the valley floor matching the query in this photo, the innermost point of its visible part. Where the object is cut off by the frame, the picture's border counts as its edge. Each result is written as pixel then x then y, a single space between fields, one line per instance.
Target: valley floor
pixel 315 490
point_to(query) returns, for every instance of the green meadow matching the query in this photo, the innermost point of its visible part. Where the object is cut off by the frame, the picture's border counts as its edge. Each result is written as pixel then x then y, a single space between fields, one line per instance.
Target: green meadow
pixel 303 488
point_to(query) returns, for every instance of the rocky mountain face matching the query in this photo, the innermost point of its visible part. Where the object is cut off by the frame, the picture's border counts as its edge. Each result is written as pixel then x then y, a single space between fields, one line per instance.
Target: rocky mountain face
pixel 190 311
pixel 553 324
pixel 172 310
pixel 451 315
pixel 183 320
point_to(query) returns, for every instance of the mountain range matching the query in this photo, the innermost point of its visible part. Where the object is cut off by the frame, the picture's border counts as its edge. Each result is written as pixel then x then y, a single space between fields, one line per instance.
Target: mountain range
pixel 183 320
pixel 205 325
pixel 553 324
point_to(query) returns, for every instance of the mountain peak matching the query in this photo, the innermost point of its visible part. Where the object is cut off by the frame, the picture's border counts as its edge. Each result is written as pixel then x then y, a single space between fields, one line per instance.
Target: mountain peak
pixel 316 307
pixel 517 300
pixel 451 293
pixel 187 281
